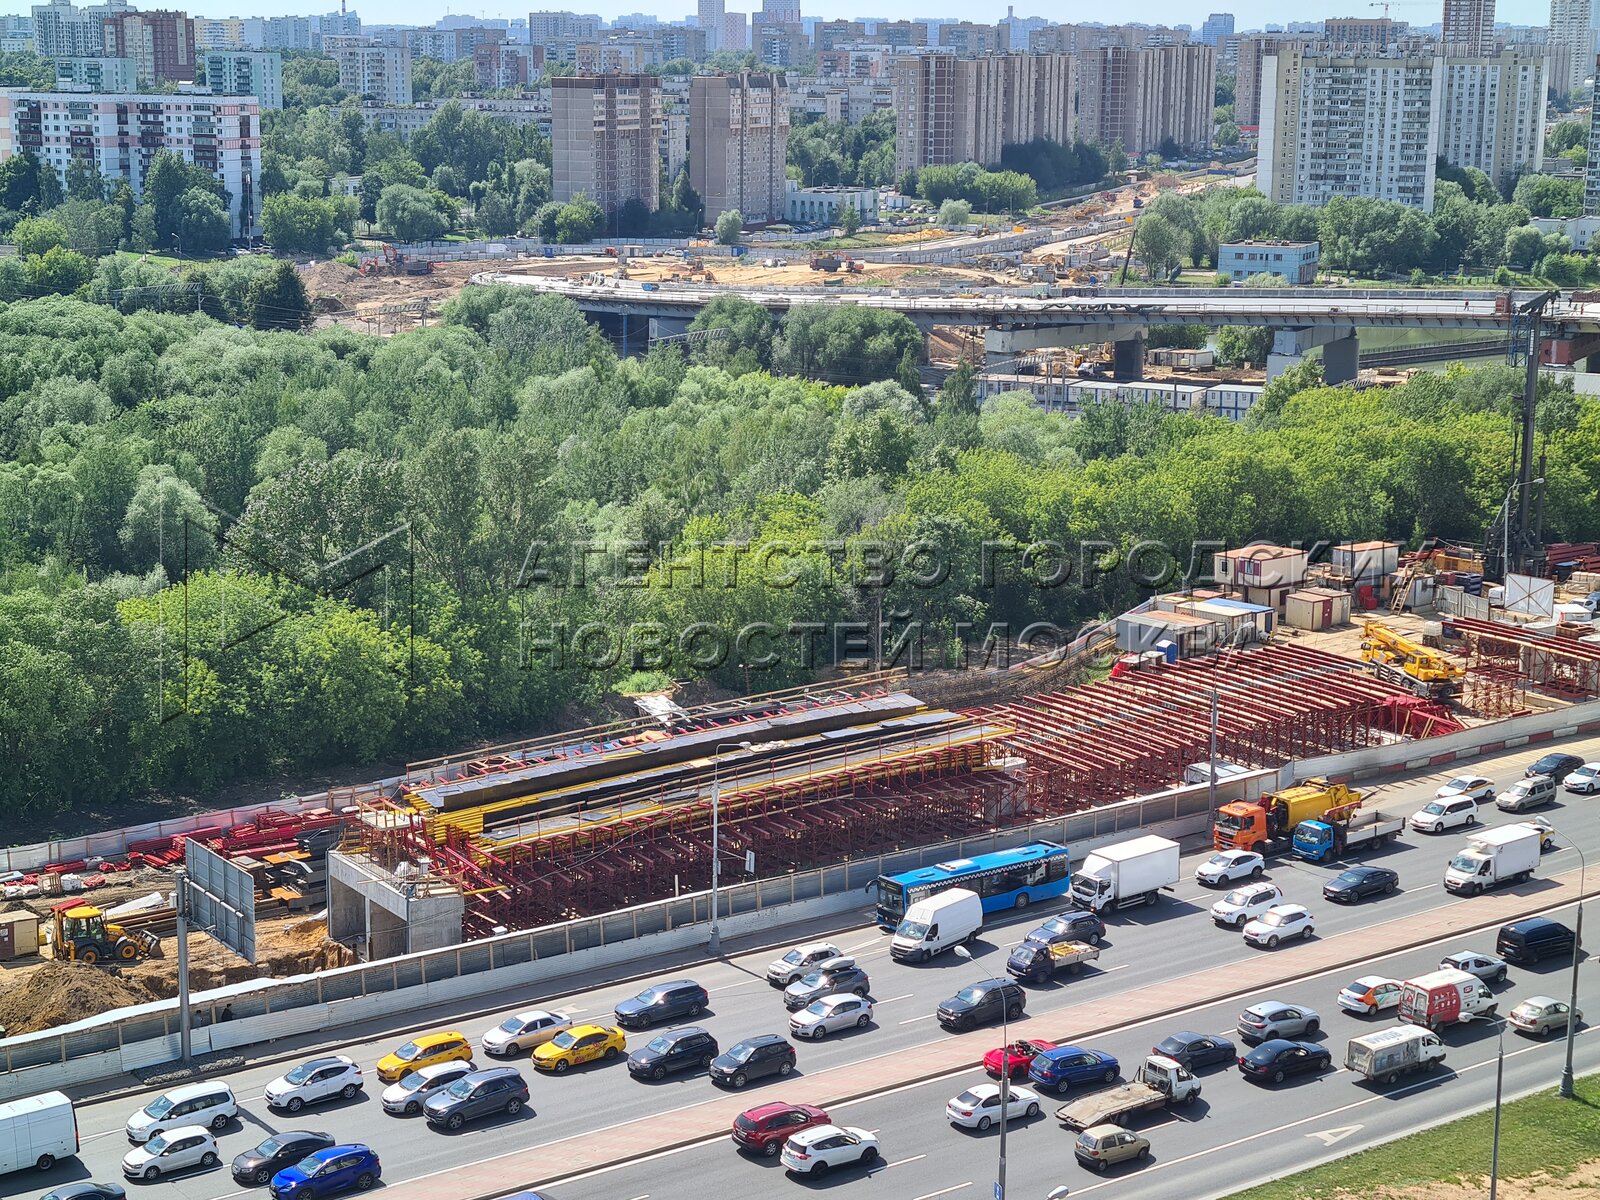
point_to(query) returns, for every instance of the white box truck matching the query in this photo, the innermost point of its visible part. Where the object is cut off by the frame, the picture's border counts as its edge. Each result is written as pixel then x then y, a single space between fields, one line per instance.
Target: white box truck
pixel 1390 1053
pixel 930 926
pixel 37 1131
pixel 1495 856
pixel 1132 872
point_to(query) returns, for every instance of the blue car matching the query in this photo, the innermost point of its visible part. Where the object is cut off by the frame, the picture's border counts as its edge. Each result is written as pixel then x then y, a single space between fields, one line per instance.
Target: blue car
pixel 350 1168
pixel 1062 1067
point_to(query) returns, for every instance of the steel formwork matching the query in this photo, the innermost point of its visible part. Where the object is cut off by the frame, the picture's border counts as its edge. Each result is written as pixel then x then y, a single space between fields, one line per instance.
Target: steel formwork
pixel 1558 664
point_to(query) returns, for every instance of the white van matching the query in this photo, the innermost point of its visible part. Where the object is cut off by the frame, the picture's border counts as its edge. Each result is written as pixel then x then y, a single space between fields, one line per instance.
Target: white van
pixel 192 1104
pixel 37 1131
pixel 937 923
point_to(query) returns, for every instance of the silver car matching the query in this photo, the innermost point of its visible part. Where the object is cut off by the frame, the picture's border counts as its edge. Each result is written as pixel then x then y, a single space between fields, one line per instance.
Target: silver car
pixel 1274 1019
pixel 1484 966
pixel 525 1031
pixel 829 1014
pixel 1542 1016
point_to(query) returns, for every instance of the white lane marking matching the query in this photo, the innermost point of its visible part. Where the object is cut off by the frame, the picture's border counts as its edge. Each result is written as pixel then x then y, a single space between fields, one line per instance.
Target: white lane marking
pixel 1329 1136
pixel 892 999
pixel 944 1191
pixel 642 1196
pixel 903 1161
pixel 859 945
pixel 1108 970
pixel 923 1017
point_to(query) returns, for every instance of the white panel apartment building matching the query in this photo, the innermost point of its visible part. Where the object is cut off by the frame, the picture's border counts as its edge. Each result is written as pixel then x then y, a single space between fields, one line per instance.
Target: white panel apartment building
pixel 62 30
pixel 368 69
pixel 122 133
pixel 255 73
pixel 1493 116
pixel 1572 44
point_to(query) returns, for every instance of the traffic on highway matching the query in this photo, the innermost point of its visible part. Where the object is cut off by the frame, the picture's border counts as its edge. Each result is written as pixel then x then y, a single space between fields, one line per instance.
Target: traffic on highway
pixel 767 1070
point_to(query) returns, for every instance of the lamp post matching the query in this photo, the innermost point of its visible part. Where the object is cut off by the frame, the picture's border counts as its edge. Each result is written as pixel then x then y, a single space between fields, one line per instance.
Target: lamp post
pixel 1499 1081
pixel 715 943
pixel 1564 1089
pixel 1005 1085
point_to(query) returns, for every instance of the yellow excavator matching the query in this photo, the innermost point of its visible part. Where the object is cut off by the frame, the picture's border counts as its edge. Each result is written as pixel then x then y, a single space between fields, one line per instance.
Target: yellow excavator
pixel 80 933
pixel 1414 667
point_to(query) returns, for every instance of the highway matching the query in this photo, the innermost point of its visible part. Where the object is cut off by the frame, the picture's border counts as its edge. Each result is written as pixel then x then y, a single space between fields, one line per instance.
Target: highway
pixel 1145 948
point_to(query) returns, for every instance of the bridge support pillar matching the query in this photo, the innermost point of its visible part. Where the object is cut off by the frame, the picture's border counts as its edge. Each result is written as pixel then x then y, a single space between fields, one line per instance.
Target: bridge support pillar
pixel 661 327
pixel 1341 351
pixel 1127 357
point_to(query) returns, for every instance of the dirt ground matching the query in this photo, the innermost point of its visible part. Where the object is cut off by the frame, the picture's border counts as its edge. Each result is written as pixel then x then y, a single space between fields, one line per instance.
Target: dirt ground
pixel 1583 1181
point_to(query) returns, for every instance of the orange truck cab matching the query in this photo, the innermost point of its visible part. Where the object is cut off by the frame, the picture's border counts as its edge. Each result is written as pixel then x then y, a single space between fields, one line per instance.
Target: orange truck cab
pixel 1266 825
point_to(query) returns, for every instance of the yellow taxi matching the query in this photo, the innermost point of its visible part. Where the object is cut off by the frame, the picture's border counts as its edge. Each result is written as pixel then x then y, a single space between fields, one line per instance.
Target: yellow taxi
pixel 578 1045
pixel 424 1051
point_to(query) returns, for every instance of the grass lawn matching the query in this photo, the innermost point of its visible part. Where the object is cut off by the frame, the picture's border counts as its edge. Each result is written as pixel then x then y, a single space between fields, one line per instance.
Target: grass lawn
pixel 1537 1133
pixel 161 260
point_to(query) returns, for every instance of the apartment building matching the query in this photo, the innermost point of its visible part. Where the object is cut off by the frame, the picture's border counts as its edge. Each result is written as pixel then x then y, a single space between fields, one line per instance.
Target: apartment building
pixel 403 120
pixel 627 54
pixel 738 137
pixel 121 134
pixel 682 41
pixel 62 30
pixel 97 74
pixel 1070 38
pixel 1335 125
pixel 779 45
pixel 855 62
pixel 1216 27
pixel 1468 27
pixel 1247 72
pixel 228 33
pixel 606 139
pixel 840 100
pixel 709 16
pixel 970 40
pixel 829 34
pixel 1572 45
pixel 902 35
pixel 562 26
pixel 1493 115
pixel 506 65
pixel 367 68
pixel 161 44
pixel 1591 178
pixel 257 73
pixel 1146 98
pixel 1375 33
pixel 965 110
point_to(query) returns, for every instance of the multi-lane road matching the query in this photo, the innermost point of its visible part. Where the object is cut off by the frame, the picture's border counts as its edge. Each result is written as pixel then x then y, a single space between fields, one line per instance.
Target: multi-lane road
pixel 1236 1133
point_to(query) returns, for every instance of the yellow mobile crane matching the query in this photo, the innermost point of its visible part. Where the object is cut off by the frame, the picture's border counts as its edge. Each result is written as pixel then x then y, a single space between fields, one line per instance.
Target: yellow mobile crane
pixel 1416 668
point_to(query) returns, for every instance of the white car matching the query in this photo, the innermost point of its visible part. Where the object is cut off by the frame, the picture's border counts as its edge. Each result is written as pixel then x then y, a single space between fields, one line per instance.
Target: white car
pixel 979 1106
pixel 799 961
pixel 407 1096
pixel 523 1032
pixel 1583 780
pixel 830 1014
pixel 1484 966
pixel 1229 865
pixel 818 1150
pixel 1370 994
pixel 1473 787
pixel 332 1078
pixel 1279 924
pixel 1245 904
pixel 180 1149
pixel 1439 815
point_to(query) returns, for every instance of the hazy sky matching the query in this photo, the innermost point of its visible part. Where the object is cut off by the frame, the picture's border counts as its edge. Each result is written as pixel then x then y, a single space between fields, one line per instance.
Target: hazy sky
pixel 1156 12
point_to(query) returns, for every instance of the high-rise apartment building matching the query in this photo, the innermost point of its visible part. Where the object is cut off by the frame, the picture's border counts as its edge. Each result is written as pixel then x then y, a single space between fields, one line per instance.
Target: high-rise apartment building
pixel 1247 73
pixel 161 43
pixel 1376 33
pixel 1216 27
pixel 900 34
pixel 1572 45
pixel 975 41
pixel 1147 98
pixel 61 30
pixel 369 69
pixel 606 139
pixel 780 12
pixel 738 138
pixel 682 41
pixel 121 133
pixel 952 110
pixel 1468 27
pixel 257 73
pixel 562 27
pixel 735 33
pixel 1493 115
pixel 830 34
pixel 779 45
pixel 708 15
pixel 1591 178
pixel 97 74
pixel 506 64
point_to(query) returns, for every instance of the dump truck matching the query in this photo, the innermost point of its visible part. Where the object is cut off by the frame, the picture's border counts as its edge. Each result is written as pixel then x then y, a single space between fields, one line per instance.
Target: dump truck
pixel 1390 1053
pixel 1266 825
pixel 824 262
pixel 80 933
pixel 1405 663
pixel 1034 963
pixel 1317 841
pixel 1160 1082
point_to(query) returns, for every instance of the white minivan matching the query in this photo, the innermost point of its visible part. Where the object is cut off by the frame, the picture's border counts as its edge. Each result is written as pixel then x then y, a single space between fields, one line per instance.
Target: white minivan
pixel 933 925
pixel 192 1104
pixel 1439 815
pixel 37 1131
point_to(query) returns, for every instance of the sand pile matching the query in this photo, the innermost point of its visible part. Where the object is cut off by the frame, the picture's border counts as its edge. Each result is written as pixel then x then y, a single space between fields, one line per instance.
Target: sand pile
pixel 55 993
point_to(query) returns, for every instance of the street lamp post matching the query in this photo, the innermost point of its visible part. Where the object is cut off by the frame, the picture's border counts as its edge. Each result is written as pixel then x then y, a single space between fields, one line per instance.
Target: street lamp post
pixel 1564 1090
pixel 715 943
pixel 1005 1085
pixel 1499 1081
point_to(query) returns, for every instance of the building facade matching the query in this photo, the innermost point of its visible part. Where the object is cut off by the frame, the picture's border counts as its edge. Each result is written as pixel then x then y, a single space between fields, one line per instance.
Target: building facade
pixel 1468 27
pixel 901 34
pixel 161 44
pixel 1147 98
pixel 1572 45
pixel 606 139
pixel 97 74
pixel 369 69
pixel 1493 115
pixel 970 40
pixel 954 110
pixel 708 15
pixel 121 134
pixel 1293 262
pixel 829 34
pixel 738 139
pixel 506 64
pixel 562 26
pixel 62 30
pixel 819 205
pixel 1591 178
pixel 780 45
pixel 1216 27
pixel 257 73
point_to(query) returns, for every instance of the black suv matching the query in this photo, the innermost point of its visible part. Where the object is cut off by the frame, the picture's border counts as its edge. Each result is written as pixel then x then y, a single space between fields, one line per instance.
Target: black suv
pixel 675 1050
pixel 662 1002
pixel 1556 765
pixel 752 1058
pixel 1071 926
pixel 1529 941
pixel 831 976
pixel 982 1004
pixel 499 1089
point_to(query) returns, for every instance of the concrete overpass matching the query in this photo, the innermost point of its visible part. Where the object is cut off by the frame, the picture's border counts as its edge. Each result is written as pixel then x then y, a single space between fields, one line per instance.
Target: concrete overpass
pixel 1017 321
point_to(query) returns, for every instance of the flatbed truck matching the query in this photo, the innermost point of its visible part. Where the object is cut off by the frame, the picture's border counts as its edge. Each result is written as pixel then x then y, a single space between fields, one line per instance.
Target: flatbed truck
pixel 1160 1083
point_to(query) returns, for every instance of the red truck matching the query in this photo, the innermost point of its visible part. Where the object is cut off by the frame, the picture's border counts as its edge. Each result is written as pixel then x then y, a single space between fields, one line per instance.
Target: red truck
pixel 1445 997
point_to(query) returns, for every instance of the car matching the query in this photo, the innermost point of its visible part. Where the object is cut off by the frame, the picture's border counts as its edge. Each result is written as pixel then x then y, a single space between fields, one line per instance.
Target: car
pixel 579 1045
pixel 979 1106
pixel 818 1150
pixel 828 978
pixel 1532 939
pixel 1064 1067
pixel 1357 883
pixel 1438 815
pixel 333 1077
pixel 1278 924
pixel 1194 1050
pixel 1473 787
pixel 523 1032
pixel 754 1058
pixel 828 1014
pixel 1278 1057
pixel 1555 764
pixel 1584 780
pixel 663 1002
pixel 1370 994
pixel 783 971
pixel 85 1189
pixel 1484 966
pixel 424 1051
pixel 410 1092
pixel 181 1149
pixel 1542 1016
pixel 350 1167
pixel 1104 1146
pixel 1226 866
pixel 1545 830
pixel 281 1150
pixel 982 1003
pixel 1531 792
pixel 211 1104
pixel 1018 1056
pixel 1270 1019
pixel 1246 903
pixel 481 1094
pixel 764 1128
pixel 1074 926
pixel 675 1050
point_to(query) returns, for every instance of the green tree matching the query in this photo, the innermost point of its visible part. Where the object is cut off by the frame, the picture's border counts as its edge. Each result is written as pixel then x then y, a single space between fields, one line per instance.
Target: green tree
pixel 1523 246
pixel 1244 344
pixel 296 225
pixel 410 214
pixel 167 525
pixel 36 235
pixel 84 181
pixel 1183 337
pixel 579 220
pixel 1156 244
pixel 730 226
pixel 747 343
pixel 955 213
pixel 844 343
pixel 848 218
pixel 276 299
pixel 1548 196
pixel 59 270
pixel 205 226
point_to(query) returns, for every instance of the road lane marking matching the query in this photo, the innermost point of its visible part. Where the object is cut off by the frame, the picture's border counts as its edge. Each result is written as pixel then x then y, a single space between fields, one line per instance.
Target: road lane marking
pixel 858 946
pixel 923 1017
pixel 1330 1136
pixel 892 999
pixel 903 1161
pixel 944 1191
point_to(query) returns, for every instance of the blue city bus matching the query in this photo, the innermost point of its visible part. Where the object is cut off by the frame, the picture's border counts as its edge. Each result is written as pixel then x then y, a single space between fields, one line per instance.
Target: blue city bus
pixel 1004 879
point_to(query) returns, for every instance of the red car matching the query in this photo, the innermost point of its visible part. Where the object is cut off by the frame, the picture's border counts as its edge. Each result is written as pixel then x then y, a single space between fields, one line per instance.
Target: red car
pixel 765 1128
pixel 1018 1054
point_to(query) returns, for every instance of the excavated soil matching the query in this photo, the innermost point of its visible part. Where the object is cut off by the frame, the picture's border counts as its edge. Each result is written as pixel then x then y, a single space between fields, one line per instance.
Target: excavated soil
pixel 55 993
pixel 1584 1180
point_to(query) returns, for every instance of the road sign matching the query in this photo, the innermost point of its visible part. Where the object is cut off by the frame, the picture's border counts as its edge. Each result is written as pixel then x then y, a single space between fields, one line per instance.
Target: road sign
pixel 222 899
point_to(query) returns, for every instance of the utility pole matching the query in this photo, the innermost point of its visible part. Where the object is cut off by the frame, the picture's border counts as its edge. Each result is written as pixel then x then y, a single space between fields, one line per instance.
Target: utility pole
pixel 180 902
